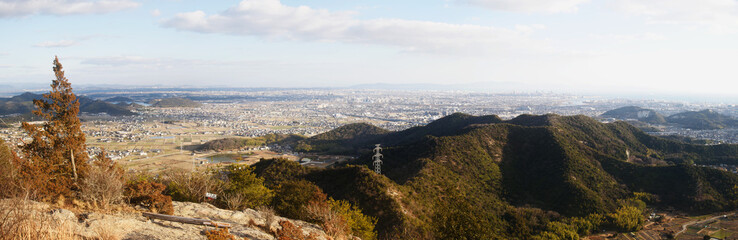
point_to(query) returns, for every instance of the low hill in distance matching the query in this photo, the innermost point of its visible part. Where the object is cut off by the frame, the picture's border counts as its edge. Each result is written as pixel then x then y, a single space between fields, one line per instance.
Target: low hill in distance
pixel 697 120
pixel 633 112
pixel 478 177
pixel 119 99
pixel 705 119
pixel 96 106
pixel 23 105
pixel 225 144
pixel 174 102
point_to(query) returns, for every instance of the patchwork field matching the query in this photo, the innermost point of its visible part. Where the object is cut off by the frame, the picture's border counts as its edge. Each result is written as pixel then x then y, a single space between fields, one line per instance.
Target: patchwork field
pixel 156 146
pixel 720 226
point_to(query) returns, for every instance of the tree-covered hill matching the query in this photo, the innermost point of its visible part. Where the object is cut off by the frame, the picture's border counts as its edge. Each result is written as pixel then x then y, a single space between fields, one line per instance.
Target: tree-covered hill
pixel 705 119
pixel 342 140
pixel 698 120
pixel 638 113
pixel 236 143
pixel 23 105
pixel 349 138
pixel 119 99
pixel 466 177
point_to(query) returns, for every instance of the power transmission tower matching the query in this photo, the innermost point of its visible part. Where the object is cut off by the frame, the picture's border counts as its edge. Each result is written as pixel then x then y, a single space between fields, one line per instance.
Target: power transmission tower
pixel 377 159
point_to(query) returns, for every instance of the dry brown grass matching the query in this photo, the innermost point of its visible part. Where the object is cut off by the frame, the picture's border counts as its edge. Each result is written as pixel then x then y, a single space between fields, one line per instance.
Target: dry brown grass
pixel 22 219
pixel 107 233
pixel 331 221
pixel 101 188
pixel 233 201
pixel 190 186
pixel 19 219
pixel 268 214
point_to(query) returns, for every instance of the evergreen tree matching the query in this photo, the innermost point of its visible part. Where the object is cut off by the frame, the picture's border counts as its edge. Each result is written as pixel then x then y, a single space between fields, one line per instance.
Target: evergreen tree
pixel 56 157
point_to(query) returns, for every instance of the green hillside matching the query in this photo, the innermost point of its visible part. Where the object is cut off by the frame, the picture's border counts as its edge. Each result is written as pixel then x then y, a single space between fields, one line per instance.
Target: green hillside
pixel 236 143
pixel 23 105
pixel 633 112
pixel 482 178
pixel 119 99
pixel 342 140
pixel 705 119
pixel 448 125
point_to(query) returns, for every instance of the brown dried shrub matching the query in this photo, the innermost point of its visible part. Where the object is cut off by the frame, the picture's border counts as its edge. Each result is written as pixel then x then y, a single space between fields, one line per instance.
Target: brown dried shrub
pixel 233 200
pixel 8 172
pixel 149 194
pixel 190 186
pixel 291 232
pixel 332 222
pixel 103 185
pixel 219 234
pixel 268 214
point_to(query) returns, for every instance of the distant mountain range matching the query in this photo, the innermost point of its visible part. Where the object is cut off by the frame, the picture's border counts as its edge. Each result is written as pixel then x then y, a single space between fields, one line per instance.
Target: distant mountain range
pixel 699 120
pixel 479 177
pixel 23 104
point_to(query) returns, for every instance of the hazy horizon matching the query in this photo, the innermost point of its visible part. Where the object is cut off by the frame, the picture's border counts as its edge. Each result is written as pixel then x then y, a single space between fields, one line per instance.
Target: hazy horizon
pixel 642 96
pixel 615 47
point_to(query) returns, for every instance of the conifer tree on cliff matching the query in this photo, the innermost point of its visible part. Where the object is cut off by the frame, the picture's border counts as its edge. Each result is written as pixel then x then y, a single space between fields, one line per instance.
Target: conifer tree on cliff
pixel 56 158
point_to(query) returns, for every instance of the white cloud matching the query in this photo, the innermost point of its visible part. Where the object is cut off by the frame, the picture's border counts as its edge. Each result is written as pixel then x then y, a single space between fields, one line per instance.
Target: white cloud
pixel 545 6
pixel 119 60
pixel 628 37
pixel 272 19
pixel 57 44
pixel 155 13
pixel 154 63
pixel 19 8
pixel 717 15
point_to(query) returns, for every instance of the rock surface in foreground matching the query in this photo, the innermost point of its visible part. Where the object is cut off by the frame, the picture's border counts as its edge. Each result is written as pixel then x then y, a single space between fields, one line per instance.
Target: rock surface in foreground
pixel 135 226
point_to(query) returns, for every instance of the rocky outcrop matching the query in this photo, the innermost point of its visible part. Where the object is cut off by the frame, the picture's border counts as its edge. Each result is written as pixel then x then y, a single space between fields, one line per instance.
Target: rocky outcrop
pixel 132 225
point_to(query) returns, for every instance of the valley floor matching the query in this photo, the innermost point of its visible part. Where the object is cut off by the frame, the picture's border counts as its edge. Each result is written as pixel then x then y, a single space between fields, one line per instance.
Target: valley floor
pixel 718 225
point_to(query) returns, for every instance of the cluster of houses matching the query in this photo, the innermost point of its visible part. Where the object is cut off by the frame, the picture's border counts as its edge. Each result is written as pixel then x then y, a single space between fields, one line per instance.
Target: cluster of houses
pixel 119 154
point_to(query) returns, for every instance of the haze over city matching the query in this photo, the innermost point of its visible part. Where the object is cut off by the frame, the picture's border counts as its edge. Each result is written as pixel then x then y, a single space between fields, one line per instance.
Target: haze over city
pixel 573 46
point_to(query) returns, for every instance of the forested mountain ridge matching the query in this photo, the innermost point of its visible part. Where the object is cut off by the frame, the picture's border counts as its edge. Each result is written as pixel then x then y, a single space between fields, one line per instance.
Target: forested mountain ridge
pixel 522 175
pixel 344 139
pixel 352 137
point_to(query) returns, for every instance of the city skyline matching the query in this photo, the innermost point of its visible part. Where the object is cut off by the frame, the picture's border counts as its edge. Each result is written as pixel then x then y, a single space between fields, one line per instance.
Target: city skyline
pixel 613 46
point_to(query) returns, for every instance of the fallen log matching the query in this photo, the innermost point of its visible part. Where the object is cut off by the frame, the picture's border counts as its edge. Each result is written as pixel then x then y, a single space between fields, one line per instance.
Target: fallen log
pixel 195 221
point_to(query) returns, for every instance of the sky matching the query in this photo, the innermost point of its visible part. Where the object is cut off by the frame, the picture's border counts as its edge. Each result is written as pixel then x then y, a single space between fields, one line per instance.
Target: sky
pixel 599 46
